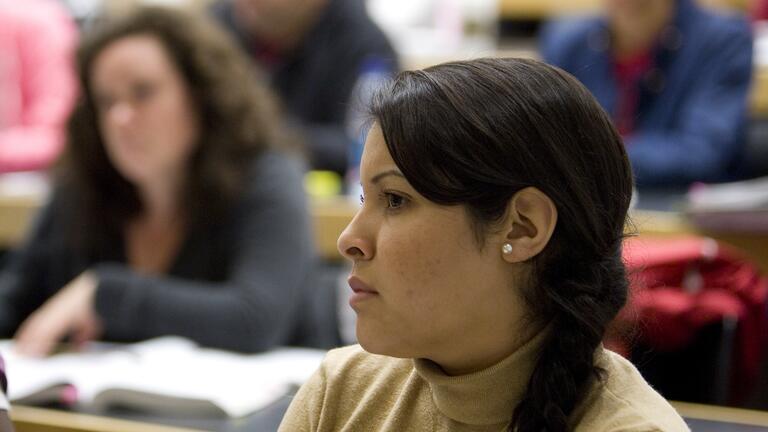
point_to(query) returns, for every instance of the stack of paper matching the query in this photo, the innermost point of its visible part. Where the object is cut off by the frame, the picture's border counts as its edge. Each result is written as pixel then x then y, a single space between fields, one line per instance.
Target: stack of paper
pixel 738 206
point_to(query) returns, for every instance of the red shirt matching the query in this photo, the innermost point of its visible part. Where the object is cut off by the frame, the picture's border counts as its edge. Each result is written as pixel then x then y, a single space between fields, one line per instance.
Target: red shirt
pixel 628 72
pixel 267 55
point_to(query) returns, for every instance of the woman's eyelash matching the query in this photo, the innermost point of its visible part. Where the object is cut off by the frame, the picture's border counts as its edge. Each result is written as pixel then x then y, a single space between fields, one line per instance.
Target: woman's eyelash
pixel 393 200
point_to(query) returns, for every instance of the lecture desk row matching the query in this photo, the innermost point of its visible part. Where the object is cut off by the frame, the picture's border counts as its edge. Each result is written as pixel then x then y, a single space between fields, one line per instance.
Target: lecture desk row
pixel 330 216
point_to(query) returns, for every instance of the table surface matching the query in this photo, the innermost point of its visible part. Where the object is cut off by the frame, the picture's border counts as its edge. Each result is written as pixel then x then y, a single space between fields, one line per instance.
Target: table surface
pixel 701 418
pixel 543 9
pixel 331 216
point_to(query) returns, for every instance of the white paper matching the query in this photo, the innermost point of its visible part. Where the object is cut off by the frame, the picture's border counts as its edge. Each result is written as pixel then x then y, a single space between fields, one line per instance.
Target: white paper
pixel 167 373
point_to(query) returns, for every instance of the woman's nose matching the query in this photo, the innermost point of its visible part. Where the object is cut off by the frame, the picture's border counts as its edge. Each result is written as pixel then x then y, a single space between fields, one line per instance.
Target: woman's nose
pixel 353 243
pixel 121 114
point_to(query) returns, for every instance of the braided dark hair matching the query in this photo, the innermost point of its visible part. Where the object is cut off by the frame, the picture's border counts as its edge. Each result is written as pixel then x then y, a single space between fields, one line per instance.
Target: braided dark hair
pixel 476 132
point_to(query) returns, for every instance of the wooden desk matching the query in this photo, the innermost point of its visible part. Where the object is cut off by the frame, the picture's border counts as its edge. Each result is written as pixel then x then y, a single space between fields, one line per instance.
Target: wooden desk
pixel 26 419
pixel 29 419
pixel 544 9
pixel 669 224
pixel 16 214
pixel 759 92
pixel 331 216
pixel 730 417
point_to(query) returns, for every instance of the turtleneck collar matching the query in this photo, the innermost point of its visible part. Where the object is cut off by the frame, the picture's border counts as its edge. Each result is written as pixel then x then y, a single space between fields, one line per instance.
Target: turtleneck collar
pixel 485 397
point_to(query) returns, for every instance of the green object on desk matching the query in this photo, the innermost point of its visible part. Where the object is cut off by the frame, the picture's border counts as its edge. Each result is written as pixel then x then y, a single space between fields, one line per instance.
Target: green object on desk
pixel 322 184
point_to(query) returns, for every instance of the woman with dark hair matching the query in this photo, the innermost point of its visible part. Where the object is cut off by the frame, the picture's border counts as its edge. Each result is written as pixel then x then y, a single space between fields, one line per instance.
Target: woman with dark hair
pixel 176 208
pixel 486 263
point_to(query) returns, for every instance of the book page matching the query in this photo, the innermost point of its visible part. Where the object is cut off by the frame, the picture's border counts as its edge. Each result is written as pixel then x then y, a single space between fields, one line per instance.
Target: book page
pixel 238 384
pixel 88 372
pixel 166 374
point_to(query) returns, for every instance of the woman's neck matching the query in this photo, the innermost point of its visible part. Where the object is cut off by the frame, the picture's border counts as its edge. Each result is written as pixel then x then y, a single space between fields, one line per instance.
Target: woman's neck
pixel 161 201
pixel 467 361
pixel 154 237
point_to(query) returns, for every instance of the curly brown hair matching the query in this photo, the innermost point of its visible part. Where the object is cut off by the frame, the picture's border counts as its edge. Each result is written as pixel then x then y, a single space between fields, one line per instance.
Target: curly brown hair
pixel 238 115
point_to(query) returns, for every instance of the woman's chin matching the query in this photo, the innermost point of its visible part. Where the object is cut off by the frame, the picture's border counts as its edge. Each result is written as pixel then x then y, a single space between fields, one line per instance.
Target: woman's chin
pixel 370 341
pixel 375 344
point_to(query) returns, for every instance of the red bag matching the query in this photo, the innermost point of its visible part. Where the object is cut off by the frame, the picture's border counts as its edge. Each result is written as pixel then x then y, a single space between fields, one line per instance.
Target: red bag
pixel 680 285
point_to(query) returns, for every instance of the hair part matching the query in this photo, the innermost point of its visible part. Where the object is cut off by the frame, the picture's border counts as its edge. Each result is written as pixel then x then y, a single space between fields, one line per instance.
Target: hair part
pixel 474 133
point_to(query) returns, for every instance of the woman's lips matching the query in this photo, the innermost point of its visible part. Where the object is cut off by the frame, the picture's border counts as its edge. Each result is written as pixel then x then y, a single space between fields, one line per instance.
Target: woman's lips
pixel 360 291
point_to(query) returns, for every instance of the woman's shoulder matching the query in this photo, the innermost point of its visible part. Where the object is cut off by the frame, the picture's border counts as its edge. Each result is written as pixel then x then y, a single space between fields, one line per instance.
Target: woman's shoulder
pixel 624 400
pixel 349 375
pixel 274 177
pixel 350 391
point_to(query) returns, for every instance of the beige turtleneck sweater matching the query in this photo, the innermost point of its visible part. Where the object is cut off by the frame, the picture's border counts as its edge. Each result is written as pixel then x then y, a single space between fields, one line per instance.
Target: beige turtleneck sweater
pixel 357 391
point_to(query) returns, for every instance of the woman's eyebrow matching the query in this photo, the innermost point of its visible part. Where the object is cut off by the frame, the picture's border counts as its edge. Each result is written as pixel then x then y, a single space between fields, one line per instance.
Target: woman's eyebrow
pixel 383 174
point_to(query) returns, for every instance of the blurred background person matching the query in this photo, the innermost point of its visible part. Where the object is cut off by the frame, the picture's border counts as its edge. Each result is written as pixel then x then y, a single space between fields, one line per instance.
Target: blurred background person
pixel 674 77
pixel 37 82
pixel 176 209
pixel 314 52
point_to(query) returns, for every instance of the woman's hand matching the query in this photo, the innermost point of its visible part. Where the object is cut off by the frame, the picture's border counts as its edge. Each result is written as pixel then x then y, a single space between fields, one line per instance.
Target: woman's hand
pixel 69 312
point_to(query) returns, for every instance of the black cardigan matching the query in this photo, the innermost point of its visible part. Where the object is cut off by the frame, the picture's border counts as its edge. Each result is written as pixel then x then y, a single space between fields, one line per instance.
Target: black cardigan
pixel 243 284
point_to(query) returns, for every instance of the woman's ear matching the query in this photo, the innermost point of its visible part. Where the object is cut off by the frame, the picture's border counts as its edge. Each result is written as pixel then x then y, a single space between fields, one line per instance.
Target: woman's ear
pixel 530 221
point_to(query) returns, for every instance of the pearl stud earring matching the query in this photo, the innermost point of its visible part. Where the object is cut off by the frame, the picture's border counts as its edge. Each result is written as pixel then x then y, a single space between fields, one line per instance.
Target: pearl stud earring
pixel 506 249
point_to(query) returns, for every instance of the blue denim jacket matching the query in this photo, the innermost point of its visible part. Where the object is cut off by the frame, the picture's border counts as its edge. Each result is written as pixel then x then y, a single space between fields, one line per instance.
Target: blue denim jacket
pixel 692 105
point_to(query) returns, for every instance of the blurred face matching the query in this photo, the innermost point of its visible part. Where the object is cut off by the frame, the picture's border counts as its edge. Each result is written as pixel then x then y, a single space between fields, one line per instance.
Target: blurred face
pixel 146 114
pixel 422 287
pixel 627 6
pixel 272 18
pixel 628 10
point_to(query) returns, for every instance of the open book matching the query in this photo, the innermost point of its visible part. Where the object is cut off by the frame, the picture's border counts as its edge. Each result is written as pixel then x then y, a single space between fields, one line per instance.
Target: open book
pixel 167 375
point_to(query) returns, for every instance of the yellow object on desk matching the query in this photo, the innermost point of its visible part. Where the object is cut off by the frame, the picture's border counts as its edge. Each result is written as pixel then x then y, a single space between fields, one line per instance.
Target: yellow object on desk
pixel 322 184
